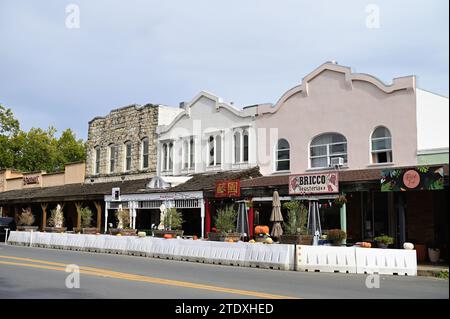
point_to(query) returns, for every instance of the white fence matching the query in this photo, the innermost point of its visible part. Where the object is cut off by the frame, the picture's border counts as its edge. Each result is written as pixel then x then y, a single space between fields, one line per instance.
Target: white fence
pixel 357 260
pixel 308 258
pixel 236 254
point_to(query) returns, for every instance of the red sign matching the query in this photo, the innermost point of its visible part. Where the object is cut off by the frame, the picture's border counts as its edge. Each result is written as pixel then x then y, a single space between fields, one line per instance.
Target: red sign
pixel 320 183
pixel 29 180
pixel 228 189
pixel 411 179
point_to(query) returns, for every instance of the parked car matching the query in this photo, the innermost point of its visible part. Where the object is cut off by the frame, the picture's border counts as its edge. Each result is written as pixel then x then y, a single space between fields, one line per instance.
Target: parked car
pixel 6 222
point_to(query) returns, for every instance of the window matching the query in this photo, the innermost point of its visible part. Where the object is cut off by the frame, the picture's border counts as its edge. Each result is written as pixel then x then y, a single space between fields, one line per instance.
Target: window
pixel 245 147
pixel 185 155
pixel 113 154
pixel 215 150
pixel 326 147
pixel 188 153
pixel 145 153
pixel 127 156
pixel 237 147
pixel 167 157
pixel 97 160
pixel 282 161
pixel 381 145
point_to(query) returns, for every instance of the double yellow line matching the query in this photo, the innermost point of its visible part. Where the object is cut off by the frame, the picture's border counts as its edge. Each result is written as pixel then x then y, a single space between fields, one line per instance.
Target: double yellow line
pixel 48 265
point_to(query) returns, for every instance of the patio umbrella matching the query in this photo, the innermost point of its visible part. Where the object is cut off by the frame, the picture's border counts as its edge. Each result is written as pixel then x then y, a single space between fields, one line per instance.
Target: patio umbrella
pixel 276 216
pixel 242 219
pixel 314 221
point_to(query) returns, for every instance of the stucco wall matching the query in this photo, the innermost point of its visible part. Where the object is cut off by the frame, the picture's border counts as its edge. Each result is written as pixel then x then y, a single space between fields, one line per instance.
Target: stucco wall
pixel 334 101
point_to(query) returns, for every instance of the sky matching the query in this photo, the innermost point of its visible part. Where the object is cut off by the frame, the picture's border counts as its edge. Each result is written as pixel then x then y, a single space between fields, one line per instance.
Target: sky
pixel 165 52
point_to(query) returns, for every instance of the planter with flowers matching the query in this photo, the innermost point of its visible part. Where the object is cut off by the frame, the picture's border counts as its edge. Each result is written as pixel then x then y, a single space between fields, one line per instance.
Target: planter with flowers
pixel 26 219
pixel 384 241
pixel 123 226
pixel 295 229
pixel 336 236
pixel 56 221
pixel 173 222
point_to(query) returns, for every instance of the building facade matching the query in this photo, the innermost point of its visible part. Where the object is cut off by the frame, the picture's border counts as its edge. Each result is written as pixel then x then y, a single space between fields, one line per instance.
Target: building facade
pixel 122 145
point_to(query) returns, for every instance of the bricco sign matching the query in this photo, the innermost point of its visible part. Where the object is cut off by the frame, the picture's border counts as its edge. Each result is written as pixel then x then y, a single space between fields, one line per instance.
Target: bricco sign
pixel 321 183
pixel 228 189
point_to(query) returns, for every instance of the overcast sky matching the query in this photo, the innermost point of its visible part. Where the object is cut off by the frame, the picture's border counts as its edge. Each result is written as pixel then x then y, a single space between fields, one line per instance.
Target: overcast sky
pixel 165 52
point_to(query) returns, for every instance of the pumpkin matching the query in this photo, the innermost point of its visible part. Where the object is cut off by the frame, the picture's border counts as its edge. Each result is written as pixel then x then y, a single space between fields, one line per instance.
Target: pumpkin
pixel 252 241
pixel 365 245
pixel 194 237
pixel 230 241
pixel 119 235
pixel 167 236
pixel 268 241
pixel 261 230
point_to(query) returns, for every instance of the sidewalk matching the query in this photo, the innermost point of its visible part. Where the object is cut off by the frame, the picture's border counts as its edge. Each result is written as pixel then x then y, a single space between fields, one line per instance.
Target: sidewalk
pixel 434 270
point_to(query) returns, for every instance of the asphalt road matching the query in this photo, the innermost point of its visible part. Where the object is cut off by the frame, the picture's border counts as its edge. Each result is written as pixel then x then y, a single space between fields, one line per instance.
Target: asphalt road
pixel 40 273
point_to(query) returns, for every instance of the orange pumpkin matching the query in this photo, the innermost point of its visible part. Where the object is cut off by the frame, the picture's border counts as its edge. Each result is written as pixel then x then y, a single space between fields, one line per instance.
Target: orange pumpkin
pixel 261 230
pixel 167 236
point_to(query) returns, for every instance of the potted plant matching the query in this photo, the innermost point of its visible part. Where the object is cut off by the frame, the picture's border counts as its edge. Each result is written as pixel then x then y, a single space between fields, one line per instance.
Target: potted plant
pixel 341 200
pixel 226 226
pixel 336 236
pixel 173 222
pixel 26 219
pixel 86 221
pixel 123 225
pixel 261 233
pixel 56 221
pixel 295 229
pixel 384 241
pixel 434 253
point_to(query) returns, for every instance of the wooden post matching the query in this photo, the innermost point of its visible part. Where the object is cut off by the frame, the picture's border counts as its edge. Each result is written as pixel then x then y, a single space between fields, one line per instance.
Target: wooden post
pixel 98 206
pixel 78 207
pixel 44 215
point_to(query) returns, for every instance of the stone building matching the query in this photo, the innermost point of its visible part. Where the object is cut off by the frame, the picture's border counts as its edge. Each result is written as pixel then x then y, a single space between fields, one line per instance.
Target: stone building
pixel 122 145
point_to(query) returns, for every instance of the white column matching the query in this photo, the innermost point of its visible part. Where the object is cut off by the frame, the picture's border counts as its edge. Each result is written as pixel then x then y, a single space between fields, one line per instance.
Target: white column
pixel 106 216
pixel 202 215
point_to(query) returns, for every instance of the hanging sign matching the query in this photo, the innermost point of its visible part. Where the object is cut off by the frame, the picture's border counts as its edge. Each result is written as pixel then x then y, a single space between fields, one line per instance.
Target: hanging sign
pixel 320 183
pixel 409 179
pixel 228 189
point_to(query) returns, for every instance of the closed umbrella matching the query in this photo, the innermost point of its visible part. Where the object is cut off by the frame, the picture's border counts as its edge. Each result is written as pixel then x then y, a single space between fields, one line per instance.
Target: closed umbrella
pixel 314 225
pixel 276 216
pixel 242 219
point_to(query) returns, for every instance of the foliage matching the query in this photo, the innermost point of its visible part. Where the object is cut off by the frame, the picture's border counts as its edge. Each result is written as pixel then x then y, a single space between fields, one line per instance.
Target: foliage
pixel 36 149
pixel 173 219
pixel 443 274
pixel 384 239
pixel 225 220
pixel 336 235
pixel 297 218
pixel 341 200
pixel 123 217
pixel 26 217
pixel 57 217
pixel 86 217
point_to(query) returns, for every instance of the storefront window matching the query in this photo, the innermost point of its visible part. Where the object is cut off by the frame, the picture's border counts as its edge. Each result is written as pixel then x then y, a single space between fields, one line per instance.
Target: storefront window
pixel 326 147
pixel 283 162
pixel 381 145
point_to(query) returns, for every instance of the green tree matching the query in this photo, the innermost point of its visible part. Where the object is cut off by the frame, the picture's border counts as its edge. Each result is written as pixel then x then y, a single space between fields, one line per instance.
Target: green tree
pixel 69 149
pixel 8 123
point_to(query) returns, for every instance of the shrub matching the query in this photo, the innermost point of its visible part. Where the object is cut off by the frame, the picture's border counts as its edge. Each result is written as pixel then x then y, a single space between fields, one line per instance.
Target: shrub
pixel 226 220
pixel 173 219
pixel 57 217
pixel 86 217
pixel 297 218
pixel 123 217
pixel 336 235
pixel 384 239
pixel 26 217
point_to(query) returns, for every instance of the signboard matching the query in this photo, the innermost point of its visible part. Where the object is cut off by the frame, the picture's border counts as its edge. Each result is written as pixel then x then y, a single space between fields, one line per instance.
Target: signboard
pixel 320 183
pixel 29 180
pixel 410 179
pixel 228 189
pixel 116 194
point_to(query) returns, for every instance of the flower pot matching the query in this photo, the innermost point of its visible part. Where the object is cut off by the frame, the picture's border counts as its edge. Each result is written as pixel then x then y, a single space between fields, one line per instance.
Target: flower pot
pixel 55 229
pixel 434 254
pixel 224 237
pixel 382 245
pixel 27 228
pixel 421 251
pixel 296 239
pixel 123 232
pixel 160 233
pixel 89 231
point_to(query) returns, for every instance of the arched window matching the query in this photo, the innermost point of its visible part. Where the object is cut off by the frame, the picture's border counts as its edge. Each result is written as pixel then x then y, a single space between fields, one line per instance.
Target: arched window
pixel 128 156
pixel 218 150
pixel 325 147
pixel 170 157
pixel 381 145
pixel 191 153
pixel 113 155
pixel 245 146
pixel 185 155
pixel 211 145
pixel 237 147
pixel 145 148
pixel 97 160
pixel 164 156
pixel 283 156
pixel 215 150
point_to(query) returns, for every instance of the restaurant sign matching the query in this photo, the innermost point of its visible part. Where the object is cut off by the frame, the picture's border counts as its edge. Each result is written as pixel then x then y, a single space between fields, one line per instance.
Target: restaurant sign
pixel 320 183
pixel 228 189
pixel 410 179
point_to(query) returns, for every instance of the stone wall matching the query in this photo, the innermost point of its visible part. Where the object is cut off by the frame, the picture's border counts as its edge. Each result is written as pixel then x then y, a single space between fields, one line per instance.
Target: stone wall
pixel 132 123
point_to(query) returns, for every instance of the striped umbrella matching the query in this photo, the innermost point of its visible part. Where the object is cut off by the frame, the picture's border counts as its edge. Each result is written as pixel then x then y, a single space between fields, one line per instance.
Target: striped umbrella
pixel 276 216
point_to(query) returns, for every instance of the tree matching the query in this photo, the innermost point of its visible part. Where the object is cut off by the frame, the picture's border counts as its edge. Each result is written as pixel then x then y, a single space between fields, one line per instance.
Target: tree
pixel 69 149
pixel 8 123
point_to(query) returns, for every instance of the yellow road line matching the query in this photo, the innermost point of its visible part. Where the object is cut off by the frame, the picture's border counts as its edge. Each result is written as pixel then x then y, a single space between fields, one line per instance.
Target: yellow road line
pixel 42 264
